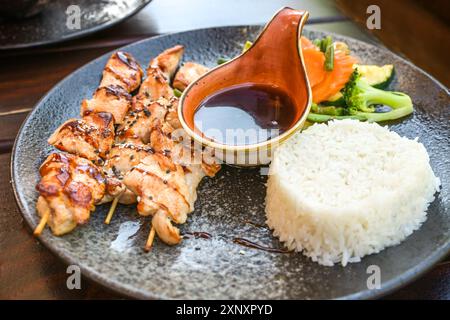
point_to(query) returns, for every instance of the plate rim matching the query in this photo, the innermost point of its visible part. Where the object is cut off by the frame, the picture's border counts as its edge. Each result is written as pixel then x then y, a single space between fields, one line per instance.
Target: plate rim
pixel 129 291
pixel 75 35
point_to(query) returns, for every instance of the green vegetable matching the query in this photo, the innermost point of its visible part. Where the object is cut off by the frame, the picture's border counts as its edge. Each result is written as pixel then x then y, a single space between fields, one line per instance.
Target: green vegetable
pixel 317 42
pixel 361 97
pixel 247 45
pixel 326 46
pixel 222 60
pixel 336 100
pixel 328 110
pixel 386 116
pixel 177 93
pixel 314 117
pixel 325 43
pixel 329 58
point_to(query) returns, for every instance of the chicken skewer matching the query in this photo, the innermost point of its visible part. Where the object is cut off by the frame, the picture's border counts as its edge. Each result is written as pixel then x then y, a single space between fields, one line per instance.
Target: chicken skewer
pixel 152 103
pixel 168 180
pixel 133 134
pixel 154 108
pixel 89 138
pixel 165 182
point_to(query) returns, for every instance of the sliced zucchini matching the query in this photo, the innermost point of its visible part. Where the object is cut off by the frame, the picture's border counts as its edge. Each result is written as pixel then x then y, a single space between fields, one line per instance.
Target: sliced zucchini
pixel 376 76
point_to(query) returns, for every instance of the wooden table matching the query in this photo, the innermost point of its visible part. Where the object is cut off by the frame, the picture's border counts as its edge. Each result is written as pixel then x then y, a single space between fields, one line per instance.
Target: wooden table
pixel 30 271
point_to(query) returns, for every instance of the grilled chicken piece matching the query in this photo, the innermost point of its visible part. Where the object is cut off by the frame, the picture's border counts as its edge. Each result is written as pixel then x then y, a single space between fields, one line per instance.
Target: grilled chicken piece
pixel 90 137
pixel 115 188
pixel 122 70
pixel 122 158
pixel 70 186
pixel 113 99
pixel 121 75
pixel 163 192
pixel 165 229
pixel 149 105
pixel 159 73
pixel 168 61
pixel 155 99
pixel 188 73
pixel 159 184
pixel 138 123
pixel 166 182
pixel 182 149
pixel 172 114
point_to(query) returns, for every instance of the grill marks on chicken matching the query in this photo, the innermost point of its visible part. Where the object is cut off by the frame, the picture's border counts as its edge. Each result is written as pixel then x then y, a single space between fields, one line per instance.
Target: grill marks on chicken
pixel 159 73
pixel 166 182
pixel 121 76
pixel 162 191
pixel 139 121
pixel 159 184
pixel 70 184
pixel 147 161
pixel 69 189
pixel 122 158
pixel 134 133
pixel 113 99
pixel 90 137
pixel 122 70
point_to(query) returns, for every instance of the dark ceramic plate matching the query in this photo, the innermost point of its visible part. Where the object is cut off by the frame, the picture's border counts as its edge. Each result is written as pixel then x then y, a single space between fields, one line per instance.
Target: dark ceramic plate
pixel 50 25
pixel 217 268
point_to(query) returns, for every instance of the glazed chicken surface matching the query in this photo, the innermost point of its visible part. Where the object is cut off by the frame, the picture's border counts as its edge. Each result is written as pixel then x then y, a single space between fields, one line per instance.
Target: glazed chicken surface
pixel 90 137
pixel 70 187
pixel 122 158
pixel 147 157
pixel 159 74
pixel 121 76
pixel 122 70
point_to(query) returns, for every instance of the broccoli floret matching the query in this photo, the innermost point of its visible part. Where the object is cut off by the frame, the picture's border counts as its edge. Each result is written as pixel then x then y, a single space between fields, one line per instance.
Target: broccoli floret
pixel 361 97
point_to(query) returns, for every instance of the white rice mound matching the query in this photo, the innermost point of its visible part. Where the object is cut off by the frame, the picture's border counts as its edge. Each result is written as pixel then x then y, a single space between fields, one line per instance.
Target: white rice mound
pixel 346 189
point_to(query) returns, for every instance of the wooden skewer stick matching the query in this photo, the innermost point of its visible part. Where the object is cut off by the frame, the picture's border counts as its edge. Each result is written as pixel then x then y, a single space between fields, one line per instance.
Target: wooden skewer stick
pixel 42 223
pixel 111 210
pixel 151 236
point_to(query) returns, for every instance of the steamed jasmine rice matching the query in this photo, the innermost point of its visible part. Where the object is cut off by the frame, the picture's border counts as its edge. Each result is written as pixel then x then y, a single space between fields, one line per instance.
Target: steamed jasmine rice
pixel 343 190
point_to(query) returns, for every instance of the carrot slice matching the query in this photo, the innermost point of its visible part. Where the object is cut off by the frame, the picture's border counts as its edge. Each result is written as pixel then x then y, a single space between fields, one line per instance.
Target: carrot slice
pixel 314 62
pixel 336 79
pixel 325 84
pixel 307 44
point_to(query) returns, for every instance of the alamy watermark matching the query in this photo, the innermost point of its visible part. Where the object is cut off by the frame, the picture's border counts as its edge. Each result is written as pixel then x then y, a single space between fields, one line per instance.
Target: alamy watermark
pixel 374 19
pixel 74 279
pixel 73 19
pixel 374 280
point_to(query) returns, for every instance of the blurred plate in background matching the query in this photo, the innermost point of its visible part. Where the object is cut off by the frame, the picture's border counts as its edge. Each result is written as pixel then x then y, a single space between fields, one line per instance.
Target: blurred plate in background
pixel 58 21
